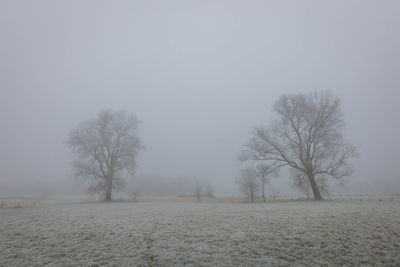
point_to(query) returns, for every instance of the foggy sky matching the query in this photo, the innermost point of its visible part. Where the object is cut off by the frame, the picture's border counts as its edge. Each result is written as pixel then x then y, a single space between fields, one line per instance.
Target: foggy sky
pixel 199 75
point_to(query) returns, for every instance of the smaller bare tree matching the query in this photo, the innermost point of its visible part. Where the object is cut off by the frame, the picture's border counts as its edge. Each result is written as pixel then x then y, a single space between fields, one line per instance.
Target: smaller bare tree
pixel 135 195
pixel 275 193
pixel 264 173
pixel 248 183
pixel 210 191
pixel 198 189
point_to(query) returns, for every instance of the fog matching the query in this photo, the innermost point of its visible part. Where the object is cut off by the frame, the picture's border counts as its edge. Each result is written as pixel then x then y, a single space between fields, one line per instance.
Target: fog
pixel 199 75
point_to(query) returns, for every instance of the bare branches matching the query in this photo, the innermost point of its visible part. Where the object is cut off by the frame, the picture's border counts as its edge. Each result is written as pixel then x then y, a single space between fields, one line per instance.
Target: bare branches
pixel 248 183
pixel 264 172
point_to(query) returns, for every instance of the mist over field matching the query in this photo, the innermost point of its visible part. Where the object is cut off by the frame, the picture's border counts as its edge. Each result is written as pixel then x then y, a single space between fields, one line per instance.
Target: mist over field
pixel 199 75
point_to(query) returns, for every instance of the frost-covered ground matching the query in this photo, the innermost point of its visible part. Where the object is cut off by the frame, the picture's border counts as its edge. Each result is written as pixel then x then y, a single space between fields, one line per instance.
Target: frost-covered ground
pixel 209 234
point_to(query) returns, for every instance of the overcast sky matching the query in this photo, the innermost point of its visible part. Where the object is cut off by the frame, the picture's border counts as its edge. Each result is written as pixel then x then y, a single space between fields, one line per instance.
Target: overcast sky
pixel 199 75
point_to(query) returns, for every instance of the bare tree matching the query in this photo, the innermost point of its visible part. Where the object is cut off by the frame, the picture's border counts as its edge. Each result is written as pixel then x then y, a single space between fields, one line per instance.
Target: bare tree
pixel 305 135
pixel 210 191
pixel 198 189
pixel 106 149
pixel 274 193
pixel 264 173
pixel 135 195
pixel 248 183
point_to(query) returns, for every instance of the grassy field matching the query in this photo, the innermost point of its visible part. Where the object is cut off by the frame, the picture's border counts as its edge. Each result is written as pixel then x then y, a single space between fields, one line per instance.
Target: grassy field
pixel 202 234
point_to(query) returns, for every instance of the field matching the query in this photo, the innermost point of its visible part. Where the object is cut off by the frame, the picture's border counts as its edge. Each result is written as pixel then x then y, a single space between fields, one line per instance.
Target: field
pixel 297 233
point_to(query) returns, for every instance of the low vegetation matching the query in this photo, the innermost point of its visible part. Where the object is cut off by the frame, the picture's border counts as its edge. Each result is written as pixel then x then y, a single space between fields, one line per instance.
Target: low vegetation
pixel 351 233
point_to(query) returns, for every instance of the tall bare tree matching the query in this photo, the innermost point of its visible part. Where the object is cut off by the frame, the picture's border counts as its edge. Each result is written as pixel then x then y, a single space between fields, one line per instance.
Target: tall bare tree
pixel 248 183
pixel 106 149
pixel 306 135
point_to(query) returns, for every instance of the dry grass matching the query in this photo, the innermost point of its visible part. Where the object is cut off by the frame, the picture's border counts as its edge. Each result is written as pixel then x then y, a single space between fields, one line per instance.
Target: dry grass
pixel 202 234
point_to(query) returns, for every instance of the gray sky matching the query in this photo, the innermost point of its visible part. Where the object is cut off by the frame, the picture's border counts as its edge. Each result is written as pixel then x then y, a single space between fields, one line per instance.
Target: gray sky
pixel 199 75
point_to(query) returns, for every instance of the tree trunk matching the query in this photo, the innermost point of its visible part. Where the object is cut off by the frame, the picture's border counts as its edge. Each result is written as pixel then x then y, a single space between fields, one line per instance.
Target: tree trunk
pixel 263 189
pixel 110 178
pixel 314 187
pixel 108 193
pixel 109 188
